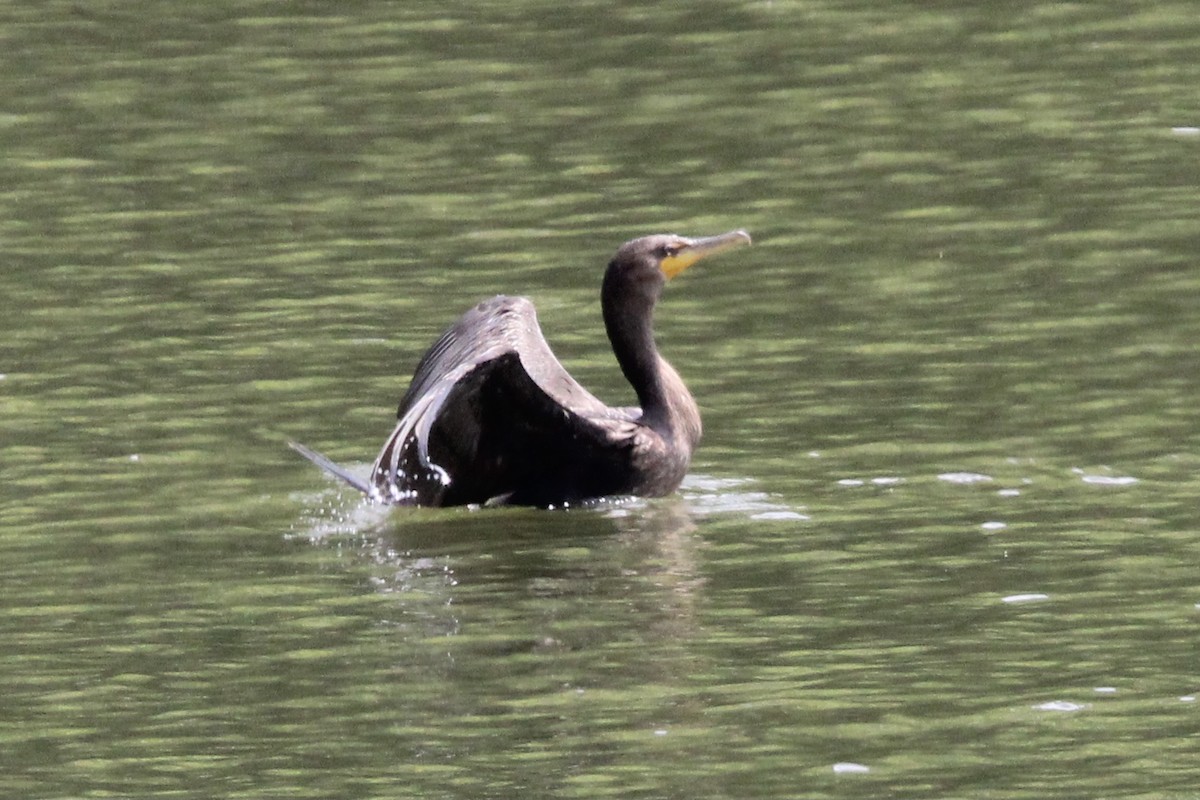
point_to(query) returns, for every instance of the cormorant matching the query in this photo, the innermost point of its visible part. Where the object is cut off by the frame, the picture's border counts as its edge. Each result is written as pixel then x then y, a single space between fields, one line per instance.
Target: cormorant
pixel 491 416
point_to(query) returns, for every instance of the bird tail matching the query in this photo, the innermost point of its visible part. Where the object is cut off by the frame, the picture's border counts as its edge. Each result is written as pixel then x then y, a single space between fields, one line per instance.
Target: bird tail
pixel 332 468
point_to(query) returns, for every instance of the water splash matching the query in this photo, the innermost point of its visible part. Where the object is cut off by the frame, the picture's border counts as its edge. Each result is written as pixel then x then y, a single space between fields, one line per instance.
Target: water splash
pixel 338 510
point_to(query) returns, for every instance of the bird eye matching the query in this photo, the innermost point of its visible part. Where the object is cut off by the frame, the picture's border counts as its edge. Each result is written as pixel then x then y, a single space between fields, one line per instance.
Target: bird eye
pixel 669 251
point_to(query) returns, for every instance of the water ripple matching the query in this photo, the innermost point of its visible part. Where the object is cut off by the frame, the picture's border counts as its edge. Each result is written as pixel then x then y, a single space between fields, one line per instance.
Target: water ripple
pixel 705 495
pixel 964 477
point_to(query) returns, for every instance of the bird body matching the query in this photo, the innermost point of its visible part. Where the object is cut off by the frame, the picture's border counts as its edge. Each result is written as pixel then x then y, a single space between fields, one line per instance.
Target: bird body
pixel 492 417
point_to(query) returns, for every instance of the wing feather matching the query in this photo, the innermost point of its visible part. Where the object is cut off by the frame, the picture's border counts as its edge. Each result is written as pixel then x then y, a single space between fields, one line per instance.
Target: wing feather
pixel 493 362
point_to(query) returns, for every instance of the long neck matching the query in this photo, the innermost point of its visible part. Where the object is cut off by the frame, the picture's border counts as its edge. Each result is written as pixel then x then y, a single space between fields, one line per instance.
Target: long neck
pixel 667 407
pixel 629 321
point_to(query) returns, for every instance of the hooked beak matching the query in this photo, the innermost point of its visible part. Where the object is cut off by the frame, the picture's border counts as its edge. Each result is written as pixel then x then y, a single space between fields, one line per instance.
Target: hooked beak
pixel 692 250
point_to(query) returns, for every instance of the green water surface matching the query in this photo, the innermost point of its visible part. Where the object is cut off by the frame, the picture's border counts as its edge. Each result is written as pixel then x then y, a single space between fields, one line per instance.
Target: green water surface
pixel 941 538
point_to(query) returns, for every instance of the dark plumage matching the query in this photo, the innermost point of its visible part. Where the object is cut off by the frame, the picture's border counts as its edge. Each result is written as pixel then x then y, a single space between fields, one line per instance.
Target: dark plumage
pixel 492 417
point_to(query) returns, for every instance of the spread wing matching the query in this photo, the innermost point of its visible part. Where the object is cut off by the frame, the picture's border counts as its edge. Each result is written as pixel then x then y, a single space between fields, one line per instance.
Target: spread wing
pixel 492 416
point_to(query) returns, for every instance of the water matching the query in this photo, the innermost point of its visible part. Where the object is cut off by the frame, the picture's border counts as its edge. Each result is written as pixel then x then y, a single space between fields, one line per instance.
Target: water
pixel 939 539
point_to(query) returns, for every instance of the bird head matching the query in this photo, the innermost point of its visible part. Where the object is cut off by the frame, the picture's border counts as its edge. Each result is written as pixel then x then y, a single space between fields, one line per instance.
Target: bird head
pixel 671 254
